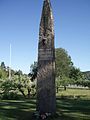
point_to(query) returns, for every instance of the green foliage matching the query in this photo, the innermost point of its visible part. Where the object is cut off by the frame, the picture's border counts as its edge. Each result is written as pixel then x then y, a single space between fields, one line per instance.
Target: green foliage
pixel 3 73
pixel 7 86
pixel 66 73
pixel 24 85
pixel 3 66
pixel 63 81
pixel 19 83
pixel 10 96
pixel 8 89
pixel 87 75
pixel 63 62
pixel 75 73
pixel 63 68
pixel 86 83
pixel 33 71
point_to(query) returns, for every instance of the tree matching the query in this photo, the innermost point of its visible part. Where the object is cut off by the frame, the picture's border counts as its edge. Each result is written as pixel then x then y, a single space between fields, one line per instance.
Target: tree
pixel 63 62
pixel 3 73
pixel 65 81
pixel 87 75
pixel 62 81
pixel 33 71
pixel 77 76
pixel 3 66
pixel 0 73
pixel 33 75
pixel 58 83
pixel 63 67
pixel 21 82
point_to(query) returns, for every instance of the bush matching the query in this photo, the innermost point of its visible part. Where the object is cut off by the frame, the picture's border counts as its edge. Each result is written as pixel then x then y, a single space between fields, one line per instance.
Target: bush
pixel 10 96
pixel 8 90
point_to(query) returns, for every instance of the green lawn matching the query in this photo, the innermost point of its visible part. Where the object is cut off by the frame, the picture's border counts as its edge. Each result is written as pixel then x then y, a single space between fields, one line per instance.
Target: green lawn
pixel 72 104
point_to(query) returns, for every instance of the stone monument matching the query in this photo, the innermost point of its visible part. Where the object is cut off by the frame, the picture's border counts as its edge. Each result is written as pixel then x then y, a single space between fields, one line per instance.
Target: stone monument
pixel 46 99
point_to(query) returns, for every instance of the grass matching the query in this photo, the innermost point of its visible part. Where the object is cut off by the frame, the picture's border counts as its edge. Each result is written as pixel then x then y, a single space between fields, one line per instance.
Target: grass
pixel 17 110
pixel 82 93
pixel 73 104
pixel 74 109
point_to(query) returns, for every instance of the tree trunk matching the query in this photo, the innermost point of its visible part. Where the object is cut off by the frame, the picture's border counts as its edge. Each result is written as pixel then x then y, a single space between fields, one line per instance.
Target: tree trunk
pixel 57 89
pixel 22 92
pixel 65 88
pixel 29 90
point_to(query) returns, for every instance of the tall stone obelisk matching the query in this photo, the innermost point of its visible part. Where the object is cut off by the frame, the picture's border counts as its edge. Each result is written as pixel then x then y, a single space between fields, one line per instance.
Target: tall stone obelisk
pixel 46 99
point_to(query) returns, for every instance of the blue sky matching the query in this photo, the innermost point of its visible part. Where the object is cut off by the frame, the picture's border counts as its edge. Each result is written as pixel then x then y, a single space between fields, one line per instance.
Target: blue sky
pixel 19 25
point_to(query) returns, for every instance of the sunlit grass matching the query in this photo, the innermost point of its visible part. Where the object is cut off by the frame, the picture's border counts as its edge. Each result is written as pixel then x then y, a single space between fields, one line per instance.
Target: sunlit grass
pixel 83 93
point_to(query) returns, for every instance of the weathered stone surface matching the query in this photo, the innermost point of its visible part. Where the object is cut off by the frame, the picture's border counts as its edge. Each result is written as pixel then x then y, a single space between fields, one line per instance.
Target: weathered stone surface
pixel 46 100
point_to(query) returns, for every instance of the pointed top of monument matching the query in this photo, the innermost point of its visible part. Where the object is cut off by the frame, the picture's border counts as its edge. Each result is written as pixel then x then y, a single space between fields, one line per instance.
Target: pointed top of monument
pixel 47 1
pixel 47 22
pixel 47 9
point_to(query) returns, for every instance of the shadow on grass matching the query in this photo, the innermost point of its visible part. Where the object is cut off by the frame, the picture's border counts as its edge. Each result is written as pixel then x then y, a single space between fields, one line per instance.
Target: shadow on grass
pixel 67 109
pixel 73 108
pixel 17 110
